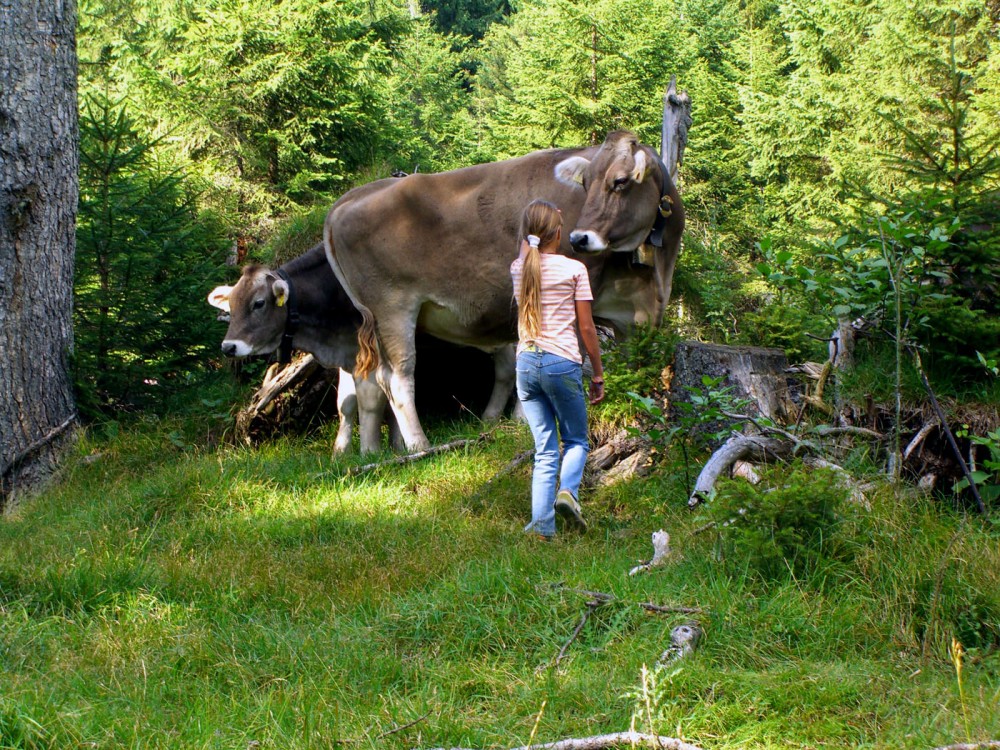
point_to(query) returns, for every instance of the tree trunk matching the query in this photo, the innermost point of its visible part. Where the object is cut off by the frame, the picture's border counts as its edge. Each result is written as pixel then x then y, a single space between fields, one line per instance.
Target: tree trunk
pixel 38 200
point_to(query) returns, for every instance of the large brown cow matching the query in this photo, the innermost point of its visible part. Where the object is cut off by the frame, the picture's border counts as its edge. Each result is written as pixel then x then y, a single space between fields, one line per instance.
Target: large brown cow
pixel 433 250
pixel 302 306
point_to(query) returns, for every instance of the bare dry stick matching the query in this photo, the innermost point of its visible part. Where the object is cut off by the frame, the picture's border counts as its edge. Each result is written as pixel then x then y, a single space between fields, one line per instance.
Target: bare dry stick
pixel 947 431
pixel 828 431
pixel 603 598
pixel 411 457
pixel 650 607
pixel 816 400
pixel 519 459
pixel 601 742
pixel 388 732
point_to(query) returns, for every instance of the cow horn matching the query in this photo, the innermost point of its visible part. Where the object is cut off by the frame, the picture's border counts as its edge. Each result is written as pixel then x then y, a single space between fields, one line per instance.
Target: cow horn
pixel 641 165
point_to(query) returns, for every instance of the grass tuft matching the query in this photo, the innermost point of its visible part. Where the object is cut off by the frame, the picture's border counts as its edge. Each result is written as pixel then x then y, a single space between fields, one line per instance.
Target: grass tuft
pixel 176 594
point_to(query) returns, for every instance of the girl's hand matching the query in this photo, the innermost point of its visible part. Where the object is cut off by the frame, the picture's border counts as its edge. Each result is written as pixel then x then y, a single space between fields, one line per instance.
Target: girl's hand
pixel 596 391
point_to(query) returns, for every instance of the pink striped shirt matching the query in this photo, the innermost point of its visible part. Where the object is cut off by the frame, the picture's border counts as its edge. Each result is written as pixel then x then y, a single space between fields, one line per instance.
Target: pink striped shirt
pixel 564 281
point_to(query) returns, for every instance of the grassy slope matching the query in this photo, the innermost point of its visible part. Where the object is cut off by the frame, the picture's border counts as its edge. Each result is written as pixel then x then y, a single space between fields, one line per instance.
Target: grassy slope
pixel 161 597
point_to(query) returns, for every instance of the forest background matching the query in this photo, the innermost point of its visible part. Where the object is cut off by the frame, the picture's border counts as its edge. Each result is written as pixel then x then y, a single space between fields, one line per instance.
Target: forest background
pixel 206 126
pixel 183 591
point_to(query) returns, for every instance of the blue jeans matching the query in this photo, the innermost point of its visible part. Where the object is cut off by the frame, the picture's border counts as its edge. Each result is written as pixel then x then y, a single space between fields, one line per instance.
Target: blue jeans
pixel 550 388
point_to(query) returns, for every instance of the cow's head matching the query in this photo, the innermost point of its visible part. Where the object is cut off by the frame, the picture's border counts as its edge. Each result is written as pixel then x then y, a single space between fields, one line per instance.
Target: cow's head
pixel 624 184
pixel 257 312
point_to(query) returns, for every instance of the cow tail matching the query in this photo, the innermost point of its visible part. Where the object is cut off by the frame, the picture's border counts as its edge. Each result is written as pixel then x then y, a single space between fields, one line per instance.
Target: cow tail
pixel 368 355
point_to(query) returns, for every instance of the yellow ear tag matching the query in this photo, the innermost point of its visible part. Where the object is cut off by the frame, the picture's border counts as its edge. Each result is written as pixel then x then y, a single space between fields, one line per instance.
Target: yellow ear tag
pixel 279 301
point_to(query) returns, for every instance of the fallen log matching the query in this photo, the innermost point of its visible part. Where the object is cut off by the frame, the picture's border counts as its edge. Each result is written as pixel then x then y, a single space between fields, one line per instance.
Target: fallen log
pixel 754 448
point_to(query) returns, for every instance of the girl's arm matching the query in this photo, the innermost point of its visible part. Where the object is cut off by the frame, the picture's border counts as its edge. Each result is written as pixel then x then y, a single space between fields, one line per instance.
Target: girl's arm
pixel 588 334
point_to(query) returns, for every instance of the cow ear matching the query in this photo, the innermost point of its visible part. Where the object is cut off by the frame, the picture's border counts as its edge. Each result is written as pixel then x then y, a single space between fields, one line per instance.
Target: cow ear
pixel 280 289
pixel 219 297
pixel 641 166
pixel 570 171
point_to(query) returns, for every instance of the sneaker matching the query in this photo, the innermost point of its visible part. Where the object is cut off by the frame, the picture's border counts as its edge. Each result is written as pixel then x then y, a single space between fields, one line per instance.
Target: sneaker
pixel 569 509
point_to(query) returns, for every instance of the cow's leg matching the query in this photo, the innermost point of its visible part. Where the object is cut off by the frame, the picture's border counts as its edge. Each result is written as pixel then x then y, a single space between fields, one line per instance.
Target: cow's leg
pixel 347 409
pixel 397 332
pixel 395 435
pixel 504 375
pixel 664 262
pixel 371 407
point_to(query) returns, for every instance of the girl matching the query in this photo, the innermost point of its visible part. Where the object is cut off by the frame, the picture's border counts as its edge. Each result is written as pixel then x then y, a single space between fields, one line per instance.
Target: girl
pixel 554 315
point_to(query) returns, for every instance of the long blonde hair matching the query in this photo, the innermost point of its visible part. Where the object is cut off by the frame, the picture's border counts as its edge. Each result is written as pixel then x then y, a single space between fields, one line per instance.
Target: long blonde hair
pixel 541 220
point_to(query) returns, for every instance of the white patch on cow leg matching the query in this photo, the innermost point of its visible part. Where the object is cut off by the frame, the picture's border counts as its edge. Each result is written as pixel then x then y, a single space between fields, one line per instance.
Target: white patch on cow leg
pixel 395 434
pixel 504 376
pixel 518 414
pixel 371 408
pixel 400 388
pixel 594 244
pixel 347 409
pixel 236 348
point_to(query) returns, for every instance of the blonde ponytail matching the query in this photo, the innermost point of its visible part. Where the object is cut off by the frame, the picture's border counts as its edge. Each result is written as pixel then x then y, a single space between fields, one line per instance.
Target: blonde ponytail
pixel 529 311
pixel 540 224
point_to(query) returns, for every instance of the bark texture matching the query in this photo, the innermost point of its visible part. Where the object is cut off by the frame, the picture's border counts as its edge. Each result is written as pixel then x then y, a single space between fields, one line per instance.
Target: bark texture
pixel 753 373
pixel 38 200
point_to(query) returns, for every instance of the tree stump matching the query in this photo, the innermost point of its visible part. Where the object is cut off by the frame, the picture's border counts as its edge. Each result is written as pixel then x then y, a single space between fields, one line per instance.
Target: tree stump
pixel 752 373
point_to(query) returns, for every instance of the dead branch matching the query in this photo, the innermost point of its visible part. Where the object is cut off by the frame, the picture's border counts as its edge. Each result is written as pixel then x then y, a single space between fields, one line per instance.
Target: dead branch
pixel 45 439
pixel 824 430
pixel 659 608
pixel 661 551
pixel 750 447
pixel 816 399
pixel 277 380
pixel 598 595
pixel 592 605
pixel 765 429
pixel 411 457
pixel 603 598
pixel 600 742
pixel 514 463
pixel 387 733
pixel 947 431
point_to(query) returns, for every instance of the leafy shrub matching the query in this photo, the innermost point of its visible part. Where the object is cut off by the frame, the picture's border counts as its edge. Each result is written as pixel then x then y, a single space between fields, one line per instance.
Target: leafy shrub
pixel 636 364
pixel 145 259
pixel 792 526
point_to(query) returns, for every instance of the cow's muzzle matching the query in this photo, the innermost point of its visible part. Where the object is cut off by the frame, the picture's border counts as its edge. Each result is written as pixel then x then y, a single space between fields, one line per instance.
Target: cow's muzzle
pixel 587 242
pixel 236 348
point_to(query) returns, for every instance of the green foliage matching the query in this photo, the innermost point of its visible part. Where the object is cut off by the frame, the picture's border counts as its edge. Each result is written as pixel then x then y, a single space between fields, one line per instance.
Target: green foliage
pixel 637 363
pixel 698 420
pixel 987 477
pixel 789 525
pixel 294 235
pixel 700 417
pixel 145 256
pixel 467 18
